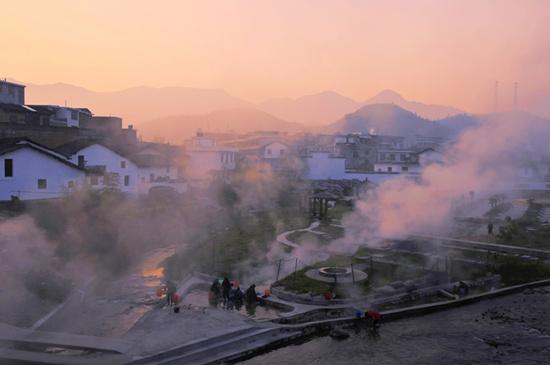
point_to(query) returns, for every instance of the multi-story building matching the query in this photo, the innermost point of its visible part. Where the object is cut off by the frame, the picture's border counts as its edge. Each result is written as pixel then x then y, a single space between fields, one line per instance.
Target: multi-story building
pixel 12 93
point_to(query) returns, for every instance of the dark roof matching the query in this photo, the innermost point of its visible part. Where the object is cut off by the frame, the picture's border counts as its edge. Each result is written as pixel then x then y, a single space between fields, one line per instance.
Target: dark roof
pixel 70 148
pixel 16 108
pixel 143 160
pixel 4 81
pixel 45 109
pixel 12 144
pixel 51 108
pixel 85 110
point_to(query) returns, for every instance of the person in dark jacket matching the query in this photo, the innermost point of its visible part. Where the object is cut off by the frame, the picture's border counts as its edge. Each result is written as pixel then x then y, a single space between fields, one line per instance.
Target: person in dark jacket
pixel 215 293
pixel 250 295
pixel 239 296
pixel 226 289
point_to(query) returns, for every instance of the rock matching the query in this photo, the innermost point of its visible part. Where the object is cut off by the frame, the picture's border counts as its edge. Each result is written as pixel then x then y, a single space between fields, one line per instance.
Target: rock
pixel 338 334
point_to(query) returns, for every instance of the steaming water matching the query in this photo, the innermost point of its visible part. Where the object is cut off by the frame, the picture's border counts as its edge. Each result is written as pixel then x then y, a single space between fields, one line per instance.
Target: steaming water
pixel 152 272
pixel 513 330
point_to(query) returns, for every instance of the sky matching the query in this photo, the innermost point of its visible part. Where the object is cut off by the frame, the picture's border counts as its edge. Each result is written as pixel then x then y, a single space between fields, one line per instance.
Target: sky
pixel 445 52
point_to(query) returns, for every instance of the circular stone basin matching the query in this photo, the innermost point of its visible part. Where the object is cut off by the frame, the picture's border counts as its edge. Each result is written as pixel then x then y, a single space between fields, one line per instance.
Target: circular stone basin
pixel 332 272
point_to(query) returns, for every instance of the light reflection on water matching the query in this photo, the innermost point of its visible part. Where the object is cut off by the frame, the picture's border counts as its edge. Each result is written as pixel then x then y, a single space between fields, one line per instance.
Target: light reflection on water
pixel 152 272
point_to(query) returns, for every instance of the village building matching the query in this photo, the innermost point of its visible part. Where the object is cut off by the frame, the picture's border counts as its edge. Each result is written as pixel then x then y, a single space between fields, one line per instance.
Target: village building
pixel 158 169
pixel 358 149
pixel 112 170
pixel 30 171
pixel 397 161
pixel 61 116
pixel 12 93
pixel 207 159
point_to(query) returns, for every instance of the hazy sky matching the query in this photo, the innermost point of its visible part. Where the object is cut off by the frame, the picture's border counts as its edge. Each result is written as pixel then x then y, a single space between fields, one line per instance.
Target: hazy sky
pixel 436 51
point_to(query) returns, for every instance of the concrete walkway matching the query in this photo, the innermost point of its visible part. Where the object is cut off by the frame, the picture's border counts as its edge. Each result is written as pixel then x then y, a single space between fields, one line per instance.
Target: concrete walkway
pixel 101 344
pixel 283 237
pixel 489 246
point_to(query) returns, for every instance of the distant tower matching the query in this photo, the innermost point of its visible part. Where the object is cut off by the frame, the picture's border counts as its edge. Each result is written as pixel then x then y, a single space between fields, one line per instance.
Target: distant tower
pixel 495 105
pixel 515 96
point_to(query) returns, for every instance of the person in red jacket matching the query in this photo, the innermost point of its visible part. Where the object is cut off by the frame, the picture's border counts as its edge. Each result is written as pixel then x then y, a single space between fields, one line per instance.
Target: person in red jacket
pixel 374 317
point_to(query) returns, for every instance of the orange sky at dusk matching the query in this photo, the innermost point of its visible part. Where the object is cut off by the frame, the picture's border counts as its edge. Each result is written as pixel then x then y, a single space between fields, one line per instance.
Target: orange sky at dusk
pixel 447 52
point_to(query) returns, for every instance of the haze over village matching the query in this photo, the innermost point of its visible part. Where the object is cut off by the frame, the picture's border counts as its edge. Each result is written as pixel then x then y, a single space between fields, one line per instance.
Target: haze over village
pixel 275 182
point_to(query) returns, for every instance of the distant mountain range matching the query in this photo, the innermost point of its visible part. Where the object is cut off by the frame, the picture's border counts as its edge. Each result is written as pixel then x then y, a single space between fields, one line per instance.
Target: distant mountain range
pixel 390 119
pixel 177 128
pixel 136 104
pixel 317 109
pixel 428 111
pixel 174 113
pixel 328 106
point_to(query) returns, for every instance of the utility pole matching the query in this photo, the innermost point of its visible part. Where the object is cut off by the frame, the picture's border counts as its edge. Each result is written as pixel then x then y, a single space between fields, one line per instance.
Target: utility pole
pixel 295 268
pixel 279 269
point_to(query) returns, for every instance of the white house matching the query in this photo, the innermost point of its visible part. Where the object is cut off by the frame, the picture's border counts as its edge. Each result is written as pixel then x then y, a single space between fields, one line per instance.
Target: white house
pixel 397 167
pixel 205 157
pixel 275 150
pixel 118 172
pixel 30 171
pixel 157 171
pixel 326 166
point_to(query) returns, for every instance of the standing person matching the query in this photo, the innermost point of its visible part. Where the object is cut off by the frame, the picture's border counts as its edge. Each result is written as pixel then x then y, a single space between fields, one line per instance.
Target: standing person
pixel 170 292
pixel 374 317
pixel 226 289
pixel 250 295
pixel 490 228
pixel 215 293
pixel 239 295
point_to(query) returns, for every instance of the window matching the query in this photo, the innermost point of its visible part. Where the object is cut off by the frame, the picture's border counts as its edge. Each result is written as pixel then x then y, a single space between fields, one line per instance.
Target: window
pixel 405 168
pixel 392 157
pixel 126 180
pixel 122 164
pixel 8 167
pixel 42 183
pixel 151 177
pixel 269 151
pixel 11 90
pixel 74 115
pixel 81 161
pixel 389 169
pixel 94 180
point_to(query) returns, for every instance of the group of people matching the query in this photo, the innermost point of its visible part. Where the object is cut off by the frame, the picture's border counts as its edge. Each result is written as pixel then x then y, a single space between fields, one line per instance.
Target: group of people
pixel 370 319
pixel 230 295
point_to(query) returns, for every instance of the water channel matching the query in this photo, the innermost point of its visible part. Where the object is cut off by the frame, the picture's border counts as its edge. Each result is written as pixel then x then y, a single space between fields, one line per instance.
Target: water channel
pixel 511 330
